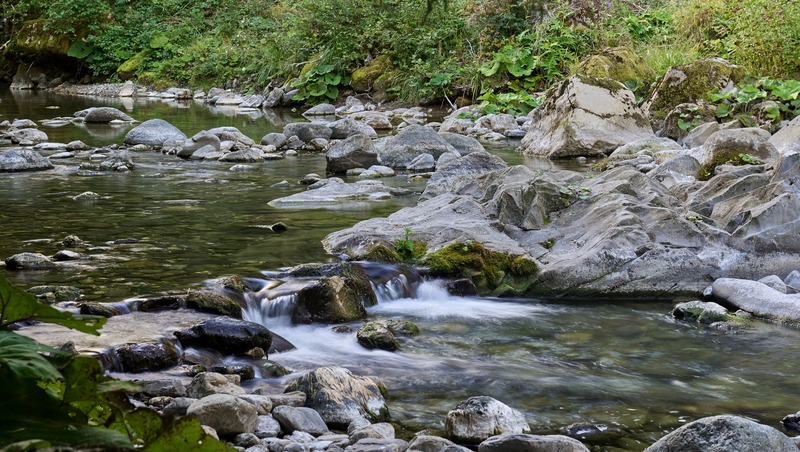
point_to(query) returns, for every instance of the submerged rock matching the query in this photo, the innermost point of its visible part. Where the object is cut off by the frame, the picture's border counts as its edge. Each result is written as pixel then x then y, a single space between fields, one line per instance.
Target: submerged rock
pixel 336 191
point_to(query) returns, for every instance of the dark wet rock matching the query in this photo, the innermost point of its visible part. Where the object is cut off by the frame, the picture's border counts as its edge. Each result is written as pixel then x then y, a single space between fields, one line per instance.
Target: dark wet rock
pixel 104 114
pixel 412 142
pixel 585 116
pixel 29 261
pixel 700 311
pixel 463 287
pixel 214 302
pixel 147 356
pixel 244 372
pixel 226 335
pixel 376 335
pixel 154 132
pixel 339 396
pixel 101 309
pixel 724 433
pixel 357 151
pixel 72 241
pixel 514 442
pixel 207 383
pixel 178 406
pixel 791 423
pixel 300 418
pixel 307 131
pixel 226 414
pixel 478 418
pixel 165 303
pixel 339 294
pixel 17 160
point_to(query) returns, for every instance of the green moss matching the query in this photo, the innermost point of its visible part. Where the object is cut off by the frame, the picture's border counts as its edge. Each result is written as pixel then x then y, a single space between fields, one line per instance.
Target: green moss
pixel 382 253
pixel 127 70
pixel 34 38
pixel 726 157
pixel 620 64
pixel 363 78
pixel 488 269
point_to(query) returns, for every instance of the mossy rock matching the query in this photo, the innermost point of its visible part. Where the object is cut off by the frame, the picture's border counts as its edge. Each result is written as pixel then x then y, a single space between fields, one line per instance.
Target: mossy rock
pixel 34 38
pixel 620 64
pixel 363 78
pixel 382 253
pixel 214 302
pixel 377 335
pixel 128 69
pixel 692 113
pixel 488 269
pixel 382 86
pixel 689 83
pixel 340 295
pixel 733 157
pixel 233 283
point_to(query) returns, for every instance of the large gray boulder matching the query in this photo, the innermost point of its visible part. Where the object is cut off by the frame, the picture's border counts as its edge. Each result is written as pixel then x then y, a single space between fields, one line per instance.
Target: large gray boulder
pixel 226 335
pixel 478 418
pixel 17 160
pixel 724 433
pixel 226 414
pixel 26 136
pixel 347 127
pixel 29 261
pixel 585 116
pixel 457 172
pixel 515 442
pixel 412 142
pixel 208 383
pixel 463 144
pixel 788 138
pixel 299 418
pixel 357 151
pixel 340 396
pixel 726 144
pixel 154 132
pixel 758 299
pixel 307 131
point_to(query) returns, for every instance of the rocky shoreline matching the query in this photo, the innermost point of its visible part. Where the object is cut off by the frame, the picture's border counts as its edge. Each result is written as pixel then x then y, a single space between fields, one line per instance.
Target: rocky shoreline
pixel 666 214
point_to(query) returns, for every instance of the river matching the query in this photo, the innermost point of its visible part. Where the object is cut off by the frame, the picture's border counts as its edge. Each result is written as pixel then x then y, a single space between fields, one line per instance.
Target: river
pixel 626 366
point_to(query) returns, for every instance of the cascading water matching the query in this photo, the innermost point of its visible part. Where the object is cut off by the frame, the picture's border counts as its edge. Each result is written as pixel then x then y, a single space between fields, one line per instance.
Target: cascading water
pixel 269 311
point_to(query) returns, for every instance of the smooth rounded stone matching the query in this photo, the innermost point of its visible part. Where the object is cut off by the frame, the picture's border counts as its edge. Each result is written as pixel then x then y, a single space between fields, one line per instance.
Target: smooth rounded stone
pixel 263 403
pixel 247 155
pixel 411 142
pixel 478 418
pixel 369 174
pixel 357 424
pixel 267 427
pixel 213 302
pixel 72 241
pixel 378 445
pixel 228 100
pixel 462 143
pixel 27 137
pixel 792 282
pixel 207 153
pixel 198 141
pixel 585 116
pixel 289 398
pixel 758 299
pixel 226 335
pixel 317 144
pixel 334 191
pixel 105 114
pixel 355 172
pixel 682 165
pixel 698 136
pixel 24 124
pixel 514 442
pixel 497 122
pixel 246 440
pixel 381 430
pixel 357 151
pixel 751 140
pixel 118 160
pixel 178 406
pixel 18 160
pixel 29 261
pixel 281 184
pixel 275 139
pixel 62 155
pixel 382 171
pixel 292 145
pixel 101 309
pixel 515 134
pixel 456 125
pixel 50 147
pixel 775 282
pixel 347 127
pixel 300 418
pixel 340 396
pixel 154 132
pixel 307 131
pixel 320 110
pixel 429 443
pixel 424 162
pixel 724 433
pixel 148 356
pixel 77 145
pixel 226 414
pixel 170 387
pixel 375 119
pixel 207 383
pixel 242 168
pixel 700 311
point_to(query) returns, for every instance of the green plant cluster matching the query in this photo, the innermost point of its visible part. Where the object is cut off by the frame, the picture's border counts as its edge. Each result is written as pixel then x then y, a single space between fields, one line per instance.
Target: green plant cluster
pixel 727 158
pixel 774 99
pixel 472 259
pixel 50 398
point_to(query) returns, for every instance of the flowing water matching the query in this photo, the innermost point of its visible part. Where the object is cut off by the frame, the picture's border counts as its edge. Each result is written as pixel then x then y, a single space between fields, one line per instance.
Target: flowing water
pixel 627 367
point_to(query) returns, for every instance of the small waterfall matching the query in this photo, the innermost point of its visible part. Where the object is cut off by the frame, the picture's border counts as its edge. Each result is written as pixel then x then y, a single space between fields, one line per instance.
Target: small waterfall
pixel 391 282
pixel 392 289
pixel 267 311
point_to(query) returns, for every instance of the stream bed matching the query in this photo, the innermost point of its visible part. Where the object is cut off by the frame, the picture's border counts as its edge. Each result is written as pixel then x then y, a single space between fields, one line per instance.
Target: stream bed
pixel 171 224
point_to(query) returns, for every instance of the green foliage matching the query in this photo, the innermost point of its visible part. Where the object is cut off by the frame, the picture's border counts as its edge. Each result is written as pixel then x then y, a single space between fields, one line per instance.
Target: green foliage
pixel 688 120
pixel 320 84
pixel 782 99
pixel 576 191
pixel 515 103
pixel 727 158
pixel 405 246
pixel 49 398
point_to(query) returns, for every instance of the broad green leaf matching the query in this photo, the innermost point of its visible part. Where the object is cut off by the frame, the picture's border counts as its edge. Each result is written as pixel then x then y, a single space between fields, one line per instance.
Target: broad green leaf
pixel 317 89
pixel 80 50
pixel 518 69
pixel 723 110
pixel 22 357
pixel 17 305
pixel 158 41
pixel 332 79
pixel 772 113
pixel 716 97
pixel 322 69
pixel 332 92
pixel 489 71
pixel 185 434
